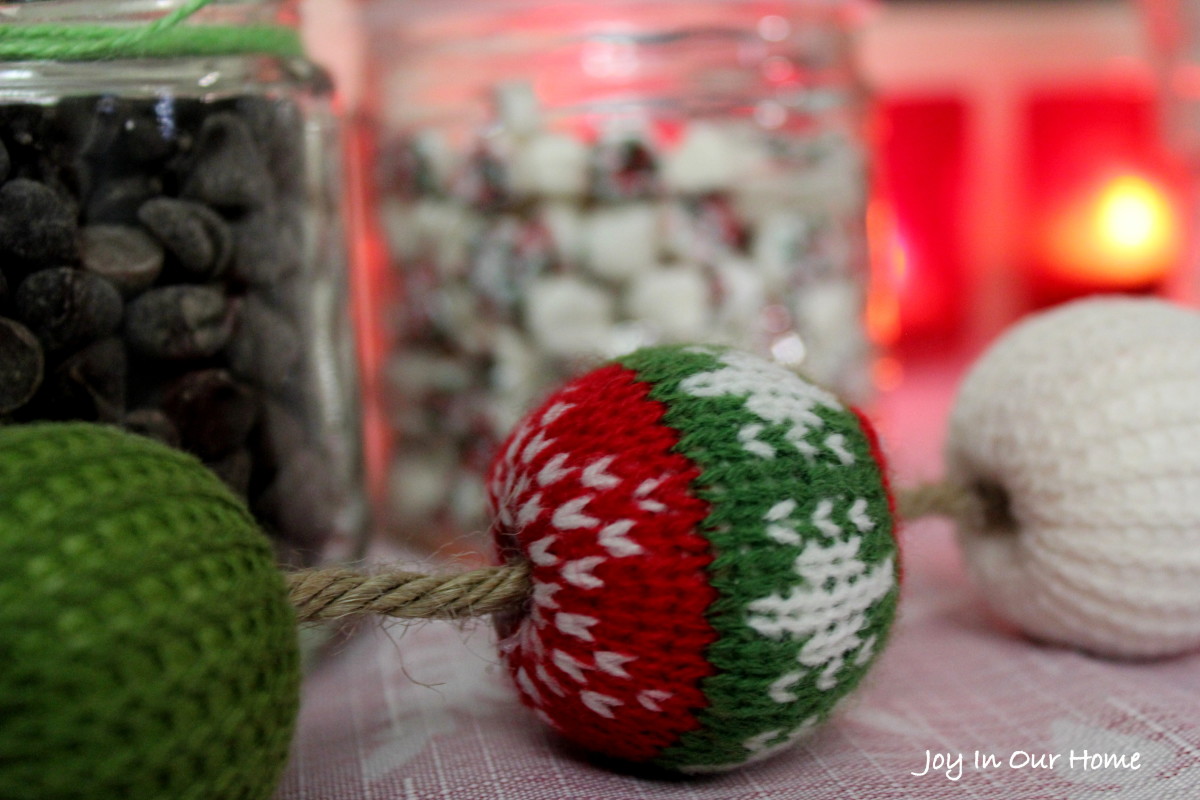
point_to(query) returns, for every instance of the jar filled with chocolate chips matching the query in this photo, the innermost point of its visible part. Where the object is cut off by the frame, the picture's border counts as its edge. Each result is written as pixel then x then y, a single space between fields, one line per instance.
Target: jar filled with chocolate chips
pixel 172 259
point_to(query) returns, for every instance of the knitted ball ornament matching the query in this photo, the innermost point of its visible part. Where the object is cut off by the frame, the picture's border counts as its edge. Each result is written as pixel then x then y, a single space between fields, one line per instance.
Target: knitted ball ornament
pixel 147 647
pixel 1080 432
pixel 711 551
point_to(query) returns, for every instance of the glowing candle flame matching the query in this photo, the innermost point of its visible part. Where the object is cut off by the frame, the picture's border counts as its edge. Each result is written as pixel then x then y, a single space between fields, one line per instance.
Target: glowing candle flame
pixel 1125 235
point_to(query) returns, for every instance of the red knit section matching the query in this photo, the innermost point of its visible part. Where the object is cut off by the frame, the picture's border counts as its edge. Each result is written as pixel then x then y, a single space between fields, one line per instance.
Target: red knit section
pixel 611 649
pixel 885 476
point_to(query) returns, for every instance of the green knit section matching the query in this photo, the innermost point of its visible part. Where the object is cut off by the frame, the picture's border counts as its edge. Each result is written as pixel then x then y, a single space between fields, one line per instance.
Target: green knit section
pixel 167 37
pixel 750 565
pixel 147 646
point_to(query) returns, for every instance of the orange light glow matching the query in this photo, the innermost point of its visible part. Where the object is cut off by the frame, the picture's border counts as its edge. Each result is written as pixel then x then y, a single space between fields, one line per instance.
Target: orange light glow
pixel 1124 235
pixel 889 268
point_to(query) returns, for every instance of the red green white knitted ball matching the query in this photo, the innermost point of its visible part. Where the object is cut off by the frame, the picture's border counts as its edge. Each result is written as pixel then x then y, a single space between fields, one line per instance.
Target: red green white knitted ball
pixel 710 538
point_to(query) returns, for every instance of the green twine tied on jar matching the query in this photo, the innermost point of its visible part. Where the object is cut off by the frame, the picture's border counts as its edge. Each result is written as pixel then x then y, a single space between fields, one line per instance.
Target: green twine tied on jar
pixel 166 37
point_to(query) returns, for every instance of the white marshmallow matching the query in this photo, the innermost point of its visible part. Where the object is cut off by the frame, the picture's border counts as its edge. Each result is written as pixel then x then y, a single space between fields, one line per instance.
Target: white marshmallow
pixel 621 241
pixel 778 246
pixel 704 161
pixel 564 221
pixel 418 484
pixel 518 108
pixel 673 301
pixel 446 231
pixel 568 317
pixel 549 165
pixel 741 298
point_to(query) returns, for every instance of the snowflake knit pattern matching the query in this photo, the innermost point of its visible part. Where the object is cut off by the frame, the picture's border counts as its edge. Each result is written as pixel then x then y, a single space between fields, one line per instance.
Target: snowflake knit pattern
pixel 712 554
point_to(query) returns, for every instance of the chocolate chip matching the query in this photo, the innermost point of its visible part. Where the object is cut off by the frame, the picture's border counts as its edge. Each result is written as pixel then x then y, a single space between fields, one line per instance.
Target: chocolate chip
pixel 116 200
pixel 128 131
pixel 153 423
pixel 179 322
pixel 126 257
pixel 212 412
pixel 195 235
pixel 21 365
pixel 278 129
pixel 267 247
pixel 265 347
pixel 67 307
pixel 281 432
pixel 36 224
pixel 89 385
pixel 301 500
pixel 234 469
pixel 228 173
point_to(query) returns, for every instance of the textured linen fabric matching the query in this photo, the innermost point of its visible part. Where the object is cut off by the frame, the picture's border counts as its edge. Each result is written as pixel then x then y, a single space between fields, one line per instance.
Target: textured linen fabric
pixel 429 712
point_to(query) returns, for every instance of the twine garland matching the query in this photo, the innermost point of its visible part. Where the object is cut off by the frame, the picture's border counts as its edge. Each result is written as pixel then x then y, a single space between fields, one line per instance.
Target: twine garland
pixel 337 593
pixel 165 37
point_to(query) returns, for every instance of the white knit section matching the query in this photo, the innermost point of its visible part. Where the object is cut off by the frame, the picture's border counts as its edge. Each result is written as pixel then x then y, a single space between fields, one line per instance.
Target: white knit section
pixel 828 611
pixel 773 393
pixel 782 534
pixel 596 476
pixel 570 665
pixel 554 470
pixel 647 486
pixel 748 436
pixel 757 748
pixel 576 625
pixel 543 594
pixel 781 690
pixel 780 511
pixel 614 538
pixel 836 444
pixel 579 572
pixel 613 663
pixel 1088 416
pixel 529 510
pixel 544 676
pixel 650 699
pixel 536 445
pixel 602 704
pixel 822 520
pixel 554 412
pixel 858 516
pixel 570 514
pixel 539 552
pixel 525 683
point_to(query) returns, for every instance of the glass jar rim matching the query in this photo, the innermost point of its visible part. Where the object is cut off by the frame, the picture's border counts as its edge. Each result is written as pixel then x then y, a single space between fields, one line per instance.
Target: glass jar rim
pixel 119 12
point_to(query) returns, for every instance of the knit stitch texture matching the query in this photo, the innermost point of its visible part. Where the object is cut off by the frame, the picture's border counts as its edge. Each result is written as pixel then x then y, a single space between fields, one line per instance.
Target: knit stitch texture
pixel 712 551
pixel 147 648
pixel 1081 428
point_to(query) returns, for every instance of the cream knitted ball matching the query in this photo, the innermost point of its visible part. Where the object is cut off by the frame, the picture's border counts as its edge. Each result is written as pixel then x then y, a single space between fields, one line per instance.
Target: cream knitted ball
pixel 1080 430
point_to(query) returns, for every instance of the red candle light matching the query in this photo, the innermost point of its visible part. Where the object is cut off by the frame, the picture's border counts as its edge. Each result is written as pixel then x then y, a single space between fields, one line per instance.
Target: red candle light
pixel 915 222
pixel 1101 213
pixel 1122 233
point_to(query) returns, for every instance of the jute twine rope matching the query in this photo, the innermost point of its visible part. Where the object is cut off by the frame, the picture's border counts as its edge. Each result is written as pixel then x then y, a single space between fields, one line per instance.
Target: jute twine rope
pixel 338 593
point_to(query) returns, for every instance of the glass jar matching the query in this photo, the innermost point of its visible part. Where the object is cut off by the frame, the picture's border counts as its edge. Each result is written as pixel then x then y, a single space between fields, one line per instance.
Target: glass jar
pixel 172 257
pixel 564 182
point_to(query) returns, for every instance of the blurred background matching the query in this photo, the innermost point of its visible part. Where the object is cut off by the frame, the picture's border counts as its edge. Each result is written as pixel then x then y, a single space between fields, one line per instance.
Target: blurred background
pixel 865 191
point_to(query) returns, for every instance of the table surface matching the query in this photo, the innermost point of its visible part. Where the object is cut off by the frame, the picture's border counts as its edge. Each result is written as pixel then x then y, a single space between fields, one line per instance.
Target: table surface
pixel 425 711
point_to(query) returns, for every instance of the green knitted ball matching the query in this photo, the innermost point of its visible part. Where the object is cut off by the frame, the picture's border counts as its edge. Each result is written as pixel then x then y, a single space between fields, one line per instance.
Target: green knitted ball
pixel 147 646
